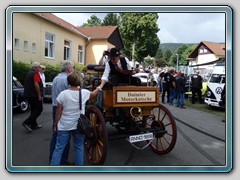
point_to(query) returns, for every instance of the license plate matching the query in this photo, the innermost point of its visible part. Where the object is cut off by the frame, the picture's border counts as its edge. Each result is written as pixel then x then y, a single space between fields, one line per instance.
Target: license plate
pixel 140 137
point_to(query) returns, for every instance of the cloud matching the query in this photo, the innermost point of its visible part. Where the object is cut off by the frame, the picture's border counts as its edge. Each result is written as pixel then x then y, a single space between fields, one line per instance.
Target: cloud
pixel 174 27
pixel 191 27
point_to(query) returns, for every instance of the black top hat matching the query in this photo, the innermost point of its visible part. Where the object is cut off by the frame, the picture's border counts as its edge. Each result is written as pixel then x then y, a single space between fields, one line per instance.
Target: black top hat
pixel 114 52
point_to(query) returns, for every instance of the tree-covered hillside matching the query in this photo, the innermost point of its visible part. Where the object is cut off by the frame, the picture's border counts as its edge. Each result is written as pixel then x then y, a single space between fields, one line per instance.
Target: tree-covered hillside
pixel 173 46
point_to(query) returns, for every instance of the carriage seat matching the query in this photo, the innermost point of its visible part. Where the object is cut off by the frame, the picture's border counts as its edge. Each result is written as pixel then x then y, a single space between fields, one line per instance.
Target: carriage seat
pixel 95 67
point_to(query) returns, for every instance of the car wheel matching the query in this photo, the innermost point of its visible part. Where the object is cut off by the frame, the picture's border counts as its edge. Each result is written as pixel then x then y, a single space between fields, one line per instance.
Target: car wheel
pixel 23 106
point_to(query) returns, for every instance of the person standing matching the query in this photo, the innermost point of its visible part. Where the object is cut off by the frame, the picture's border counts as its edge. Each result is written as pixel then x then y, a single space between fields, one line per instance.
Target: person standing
pixel 42 76
pixel 59 84
pixel 66 119
pixel 33 90
pixel 196 87
pixel 180 86
pixel 105 58
pixel 172 86
pixel 166 84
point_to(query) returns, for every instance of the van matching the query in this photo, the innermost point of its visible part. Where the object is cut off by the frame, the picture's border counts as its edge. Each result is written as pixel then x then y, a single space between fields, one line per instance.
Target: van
pixel 215 85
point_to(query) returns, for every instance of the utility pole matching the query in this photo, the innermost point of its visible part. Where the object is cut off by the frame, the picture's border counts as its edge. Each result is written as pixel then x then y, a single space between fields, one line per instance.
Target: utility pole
pixel 177 63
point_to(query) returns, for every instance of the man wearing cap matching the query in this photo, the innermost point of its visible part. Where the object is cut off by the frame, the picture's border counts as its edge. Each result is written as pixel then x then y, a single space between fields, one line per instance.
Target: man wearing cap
pixel 33 91
pixel 116 70
pixel 196 87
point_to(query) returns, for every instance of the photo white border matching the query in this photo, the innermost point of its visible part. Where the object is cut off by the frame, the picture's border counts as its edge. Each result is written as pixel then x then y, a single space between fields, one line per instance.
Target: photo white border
pixel 98 9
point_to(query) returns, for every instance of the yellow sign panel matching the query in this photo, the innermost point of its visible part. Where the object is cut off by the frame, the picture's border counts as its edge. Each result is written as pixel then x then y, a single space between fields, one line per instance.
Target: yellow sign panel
pixel 136 97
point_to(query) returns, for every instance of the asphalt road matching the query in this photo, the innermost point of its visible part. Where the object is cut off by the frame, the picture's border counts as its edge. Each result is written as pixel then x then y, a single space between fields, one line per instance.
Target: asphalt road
pixel 200 143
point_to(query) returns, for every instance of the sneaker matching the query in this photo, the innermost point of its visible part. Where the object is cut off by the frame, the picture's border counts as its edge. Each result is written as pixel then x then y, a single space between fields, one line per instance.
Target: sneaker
pixel 182 107
pixel 37 127
pixel 27 127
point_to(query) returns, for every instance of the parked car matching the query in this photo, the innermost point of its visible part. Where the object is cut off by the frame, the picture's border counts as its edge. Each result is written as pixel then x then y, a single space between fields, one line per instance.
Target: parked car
pixel 48 91
pixel 147 79
pixel 18 101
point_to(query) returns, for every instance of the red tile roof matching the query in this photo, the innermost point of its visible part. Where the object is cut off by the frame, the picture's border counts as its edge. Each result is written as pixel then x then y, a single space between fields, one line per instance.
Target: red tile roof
pixel 99 32
pixel 60 22
pixel 217 48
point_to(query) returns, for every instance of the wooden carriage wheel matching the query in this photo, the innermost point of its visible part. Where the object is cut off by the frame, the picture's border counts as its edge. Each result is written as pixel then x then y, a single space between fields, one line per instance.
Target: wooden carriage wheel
pixel 96 148
pixel 162 143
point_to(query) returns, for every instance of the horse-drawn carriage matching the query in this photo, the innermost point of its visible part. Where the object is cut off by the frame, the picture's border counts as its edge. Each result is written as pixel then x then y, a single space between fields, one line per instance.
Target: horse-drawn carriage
pixel 134 110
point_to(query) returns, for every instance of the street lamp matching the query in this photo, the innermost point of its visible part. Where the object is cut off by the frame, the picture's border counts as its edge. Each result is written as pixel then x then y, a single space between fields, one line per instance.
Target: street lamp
pixel 177 63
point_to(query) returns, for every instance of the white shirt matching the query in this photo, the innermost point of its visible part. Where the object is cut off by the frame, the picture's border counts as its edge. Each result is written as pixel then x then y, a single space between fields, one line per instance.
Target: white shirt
pixel 69 100
pixel 108 69
pixel 42 76
pixel 105 60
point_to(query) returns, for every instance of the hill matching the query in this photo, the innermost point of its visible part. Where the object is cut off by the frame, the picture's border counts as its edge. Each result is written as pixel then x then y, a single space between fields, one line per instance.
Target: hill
pixel 173 46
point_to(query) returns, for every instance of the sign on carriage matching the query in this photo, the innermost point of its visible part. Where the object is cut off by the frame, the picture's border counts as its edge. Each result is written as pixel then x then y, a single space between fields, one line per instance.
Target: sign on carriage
pixel 132 96
pixel 135 95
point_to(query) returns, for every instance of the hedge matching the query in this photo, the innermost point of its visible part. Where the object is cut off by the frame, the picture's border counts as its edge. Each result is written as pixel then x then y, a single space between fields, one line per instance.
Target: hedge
pixel 21 69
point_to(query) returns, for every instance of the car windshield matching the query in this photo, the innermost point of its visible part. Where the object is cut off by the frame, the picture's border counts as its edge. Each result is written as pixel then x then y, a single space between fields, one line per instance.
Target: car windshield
pixel 17 83
pixel 217 78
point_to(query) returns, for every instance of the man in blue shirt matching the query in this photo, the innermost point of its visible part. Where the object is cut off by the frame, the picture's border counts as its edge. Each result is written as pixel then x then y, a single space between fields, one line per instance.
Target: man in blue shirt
pixel 59 84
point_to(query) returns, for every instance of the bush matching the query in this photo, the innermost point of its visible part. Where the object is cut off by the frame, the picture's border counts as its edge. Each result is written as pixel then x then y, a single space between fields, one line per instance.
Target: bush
pixel 21 69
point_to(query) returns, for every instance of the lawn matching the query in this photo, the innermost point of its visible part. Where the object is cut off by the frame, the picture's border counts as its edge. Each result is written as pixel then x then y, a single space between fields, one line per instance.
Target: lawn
pixel 206 108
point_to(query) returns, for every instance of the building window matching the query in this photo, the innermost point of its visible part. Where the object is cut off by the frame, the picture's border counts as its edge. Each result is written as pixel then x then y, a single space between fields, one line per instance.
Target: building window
pixel 34 47
pixel 200 51
pixel 67 48
pixel 205 50
pixel 80 55
pixel 25 45
pixel 49 45
pixel 16 43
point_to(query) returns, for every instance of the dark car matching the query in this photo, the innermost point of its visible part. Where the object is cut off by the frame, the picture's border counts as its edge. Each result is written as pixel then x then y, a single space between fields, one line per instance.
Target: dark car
pixel 48 91
pixel 19 102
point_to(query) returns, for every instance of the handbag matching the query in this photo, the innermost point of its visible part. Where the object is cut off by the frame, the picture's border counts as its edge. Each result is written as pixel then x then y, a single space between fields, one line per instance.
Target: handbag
pixel 84 125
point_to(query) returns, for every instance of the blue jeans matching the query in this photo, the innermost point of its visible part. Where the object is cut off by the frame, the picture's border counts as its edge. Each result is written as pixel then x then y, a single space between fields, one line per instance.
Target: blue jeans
pixel 172 95
pixel 62 140
pixel 64 159
pixel 180 99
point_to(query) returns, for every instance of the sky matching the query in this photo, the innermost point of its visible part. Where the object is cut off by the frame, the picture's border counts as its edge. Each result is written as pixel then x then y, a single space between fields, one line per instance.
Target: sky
pixel 174 27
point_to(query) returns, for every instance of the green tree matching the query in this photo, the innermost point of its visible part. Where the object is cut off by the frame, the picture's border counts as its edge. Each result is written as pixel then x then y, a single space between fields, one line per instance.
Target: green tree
pixel 179 51
pixel 139 34
pixel 93 21
pixel 111 19
pixel 185 54
pixel 159 60
pixel 167 56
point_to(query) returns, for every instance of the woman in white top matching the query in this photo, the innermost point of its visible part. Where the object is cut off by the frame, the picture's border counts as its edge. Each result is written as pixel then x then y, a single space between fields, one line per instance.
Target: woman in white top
pixel 67 118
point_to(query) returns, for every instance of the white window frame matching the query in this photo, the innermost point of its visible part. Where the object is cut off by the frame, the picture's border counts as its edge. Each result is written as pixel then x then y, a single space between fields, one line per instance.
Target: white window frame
pixel 34 47
pixel 25 45
pixel 16 43
pixel 49 43
pixel 67 50
pixel 81 52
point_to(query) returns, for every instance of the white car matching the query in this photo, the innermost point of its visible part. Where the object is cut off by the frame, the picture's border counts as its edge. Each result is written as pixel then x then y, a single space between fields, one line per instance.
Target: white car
pixel 143 77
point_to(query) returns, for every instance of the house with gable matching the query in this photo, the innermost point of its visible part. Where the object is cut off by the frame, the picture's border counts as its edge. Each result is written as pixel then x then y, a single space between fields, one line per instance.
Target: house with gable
pixel 206 55
pixel 47 38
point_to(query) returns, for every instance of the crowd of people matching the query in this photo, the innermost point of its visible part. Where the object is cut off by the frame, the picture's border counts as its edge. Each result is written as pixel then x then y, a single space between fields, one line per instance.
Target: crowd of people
pixel 172 85
pixel 65 98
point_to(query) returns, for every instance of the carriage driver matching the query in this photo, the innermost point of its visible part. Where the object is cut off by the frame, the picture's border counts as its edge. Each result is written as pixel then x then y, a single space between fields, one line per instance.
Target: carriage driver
pixel 117 71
